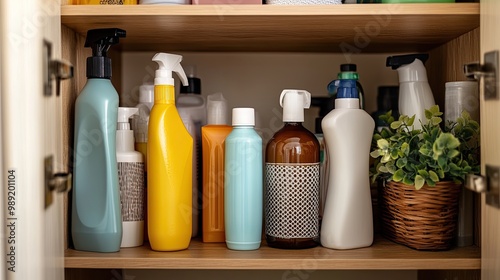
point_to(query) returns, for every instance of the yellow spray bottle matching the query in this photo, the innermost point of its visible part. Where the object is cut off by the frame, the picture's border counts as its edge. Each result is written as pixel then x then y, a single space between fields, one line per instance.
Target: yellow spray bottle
pixel 170 155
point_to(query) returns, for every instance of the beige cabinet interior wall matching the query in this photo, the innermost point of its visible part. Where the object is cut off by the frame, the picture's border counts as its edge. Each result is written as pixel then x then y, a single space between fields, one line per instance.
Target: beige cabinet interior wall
pixel 256 80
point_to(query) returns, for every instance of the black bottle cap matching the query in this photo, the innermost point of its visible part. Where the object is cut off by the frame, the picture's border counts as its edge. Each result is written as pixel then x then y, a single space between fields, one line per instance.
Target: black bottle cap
pixel 100 40
pixel 399 60
pixel 348 67
pixel 193 87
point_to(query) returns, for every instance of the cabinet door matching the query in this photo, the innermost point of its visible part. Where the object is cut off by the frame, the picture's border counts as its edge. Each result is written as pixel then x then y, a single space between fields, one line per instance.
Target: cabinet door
pixel 30 38
pixel 490 145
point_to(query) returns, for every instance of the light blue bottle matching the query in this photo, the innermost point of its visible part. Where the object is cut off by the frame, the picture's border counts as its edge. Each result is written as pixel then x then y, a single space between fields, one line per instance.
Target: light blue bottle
pixel 243 185
pixel 96 223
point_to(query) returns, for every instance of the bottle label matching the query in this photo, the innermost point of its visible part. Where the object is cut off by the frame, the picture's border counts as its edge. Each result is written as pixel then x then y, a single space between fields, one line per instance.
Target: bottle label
pixel 292 200
pixel 131 180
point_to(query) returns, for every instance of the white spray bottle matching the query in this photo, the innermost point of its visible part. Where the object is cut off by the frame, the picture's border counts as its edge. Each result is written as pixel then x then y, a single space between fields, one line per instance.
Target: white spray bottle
pixel 131 180
pixel 415 94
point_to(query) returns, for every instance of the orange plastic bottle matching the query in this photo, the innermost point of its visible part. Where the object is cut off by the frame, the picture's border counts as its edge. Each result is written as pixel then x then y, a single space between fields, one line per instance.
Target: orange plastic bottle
pixel 213 136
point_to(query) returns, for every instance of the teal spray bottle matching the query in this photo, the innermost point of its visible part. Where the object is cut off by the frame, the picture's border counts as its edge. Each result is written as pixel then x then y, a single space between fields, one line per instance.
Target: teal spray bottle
pixel 96 215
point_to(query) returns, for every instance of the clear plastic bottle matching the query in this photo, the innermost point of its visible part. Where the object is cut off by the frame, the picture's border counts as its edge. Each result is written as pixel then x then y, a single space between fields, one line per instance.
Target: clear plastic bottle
pixel 243 185
pixel 292 178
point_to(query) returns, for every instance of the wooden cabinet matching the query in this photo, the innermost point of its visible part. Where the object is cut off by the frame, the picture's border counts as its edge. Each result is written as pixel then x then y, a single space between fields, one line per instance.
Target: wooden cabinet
pixel 450 32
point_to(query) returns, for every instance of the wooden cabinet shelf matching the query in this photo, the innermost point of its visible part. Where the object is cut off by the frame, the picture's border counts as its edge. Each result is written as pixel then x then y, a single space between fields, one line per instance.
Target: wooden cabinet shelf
pixel 382 255
pixel 366 28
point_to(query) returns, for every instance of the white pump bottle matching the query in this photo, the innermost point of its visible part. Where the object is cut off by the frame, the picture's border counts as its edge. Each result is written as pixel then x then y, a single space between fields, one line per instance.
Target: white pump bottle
pixel 131 180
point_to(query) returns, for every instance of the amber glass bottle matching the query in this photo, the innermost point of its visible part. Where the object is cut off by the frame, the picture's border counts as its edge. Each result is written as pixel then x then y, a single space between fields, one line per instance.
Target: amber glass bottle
pixel 292 179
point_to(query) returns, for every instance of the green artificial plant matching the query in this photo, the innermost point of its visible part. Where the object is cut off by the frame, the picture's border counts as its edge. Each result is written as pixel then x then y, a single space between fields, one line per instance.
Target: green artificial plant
pixel 427 155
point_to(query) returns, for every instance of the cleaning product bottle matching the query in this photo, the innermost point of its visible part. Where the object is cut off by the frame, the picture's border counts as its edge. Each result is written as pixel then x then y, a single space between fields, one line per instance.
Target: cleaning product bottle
pixel 213 137
pixel 140 123
pixel 347 221
pixel 96 223
pixel 243 183
pixel 325 104
pixel 415 95
pixel 192 105
pixel 131 180
pixel 170 163
pixel 348 72
pixel 292 178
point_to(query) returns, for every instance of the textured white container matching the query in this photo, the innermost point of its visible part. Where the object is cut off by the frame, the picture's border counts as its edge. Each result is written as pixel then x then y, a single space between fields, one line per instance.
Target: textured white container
pixel 347 218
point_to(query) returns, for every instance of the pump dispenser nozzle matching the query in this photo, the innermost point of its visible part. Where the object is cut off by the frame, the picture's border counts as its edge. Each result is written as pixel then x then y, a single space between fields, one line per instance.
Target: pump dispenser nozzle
pixel 124 114
pixel 217 109
pixel 294 101
pixel 100 40
pixel 169 63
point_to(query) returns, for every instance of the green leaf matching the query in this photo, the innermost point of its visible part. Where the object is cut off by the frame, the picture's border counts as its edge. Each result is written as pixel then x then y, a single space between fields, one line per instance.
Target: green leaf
pixel 419 182
pixel 398 175
pixel 400 163
pixel 442 162
pixel 423 173
pixel 411 121
pixel 375 154
pixel 428 114
pixel 383 144
pixel 383 169
pixel 453 153
pixel 408 181
pixel 433 176
pixel 396 124
pixel 435 120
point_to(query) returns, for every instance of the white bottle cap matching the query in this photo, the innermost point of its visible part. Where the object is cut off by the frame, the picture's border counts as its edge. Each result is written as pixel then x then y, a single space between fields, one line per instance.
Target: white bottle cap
pixel 147 93
pixel 243 117
pixel 293 102
pixel 217 109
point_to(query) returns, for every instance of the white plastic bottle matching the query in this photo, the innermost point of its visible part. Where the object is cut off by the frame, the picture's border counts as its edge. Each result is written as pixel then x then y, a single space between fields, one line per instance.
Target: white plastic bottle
pixel 347 220
pixel 131 181
pixel 415 94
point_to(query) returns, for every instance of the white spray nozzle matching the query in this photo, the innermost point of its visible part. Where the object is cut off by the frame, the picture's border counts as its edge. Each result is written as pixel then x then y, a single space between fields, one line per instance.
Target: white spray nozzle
pixel 217 109
pixel 294 101
pixel 124 114
pixel 169 63
pixel 413 72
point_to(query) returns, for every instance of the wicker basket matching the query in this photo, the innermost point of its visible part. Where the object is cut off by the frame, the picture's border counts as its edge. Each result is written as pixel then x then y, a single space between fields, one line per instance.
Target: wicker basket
pixel 425 219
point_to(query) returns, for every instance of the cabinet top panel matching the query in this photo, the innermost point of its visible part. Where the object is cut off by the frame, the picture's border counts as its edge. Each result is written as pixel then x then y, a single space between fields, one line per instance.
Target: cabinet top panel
pixel 350 29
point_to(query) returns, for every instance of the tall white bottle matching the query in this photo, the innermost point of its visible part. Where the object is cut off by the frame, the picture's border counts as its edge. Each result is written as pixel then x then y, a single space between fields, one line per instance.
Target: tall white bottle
pixel 347 219
pixel 131 181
